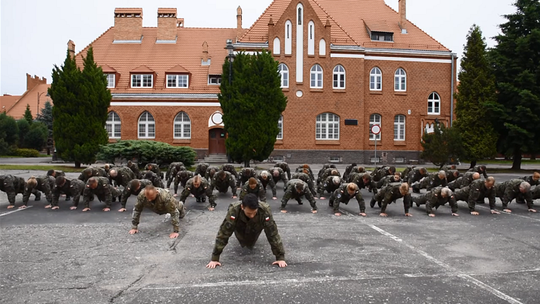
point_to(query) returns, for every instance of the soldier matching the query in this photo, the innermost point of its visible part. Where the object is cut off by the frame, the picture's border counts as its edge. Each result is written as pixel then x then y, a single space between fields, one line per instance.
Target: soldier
pixel 156 180
pixel 391 193
pixel 199 187
pixel 231 169
pixel 343 195
pixel 161 202
pixel 247 220
pixel 435 198
pixel 329 185
pixel 90 172
pixel 121 175
pixel 244 176
pixel 305 168
pixel 134 187
pixel 304 176
pixel 107 168
pixel 201 169
pixel 415 175
pixel 464 180
pixel 362 180
pixel 328 172
pixel 41 183
pixel 210 171
pixel 254 186
pixel 536 193
pixel 100 187
pixel 514 188
pixel 479 190
pixel 297 188
pixel 348 171
pixel 71 187
pixel 380 173
pixel 135 168
pixel 182 178
pixel 405 173
pixel 154 168
pixel 267 180
pixel 14 185
pixel 431 181
pixel 327 168
pixel 452 175
pixel 396 178
pixel 357 169
pixel 278 174
pixel 179 166
pixel 285 167
pixel 479 169
pixel 55 173
pixel 533 180
pixel 222 181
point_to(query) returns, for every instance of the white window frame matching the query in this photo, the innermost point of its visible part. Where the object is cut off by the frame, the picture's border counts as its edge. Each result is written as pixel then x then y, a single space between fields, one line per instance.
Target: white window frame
pixel 177 78
pixel 277 46
pixel 322 47
pixel 182 123
pixel 288 37
pixel 143 80
pixel 374 118
pixel 217 77
pixel 280 127
pixel 399 127
pixel 147 125
pixel 327 127
pixel 400 80
pixel 339 77
pixel 311 38
pixel 375 79
pixel 283 70
pixel 434 104
pixel 113 125
pixel 316 77
pixel 111 80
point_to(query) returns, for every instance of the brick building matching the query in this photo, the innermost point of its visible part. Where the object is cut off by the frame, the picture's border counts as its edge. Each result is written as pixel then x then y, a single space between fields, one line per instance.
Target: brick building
pixel 345 66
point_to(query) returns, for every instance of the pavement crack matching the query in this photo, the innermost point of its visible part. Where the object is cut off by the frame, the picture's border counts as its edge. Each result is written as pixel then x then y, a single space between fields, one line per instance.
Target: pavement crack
pixel 124 289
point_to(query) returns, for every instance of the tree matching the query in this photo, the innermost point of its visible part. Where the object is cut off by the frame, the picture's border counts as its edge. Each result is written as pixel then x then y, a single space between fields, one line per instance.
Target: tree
pixel 441 145
pixel 8 126
pixel 252 105
pixel 46 117
pixel 516 63
pixel 81 100
pixel 36 138
pixel 28 115
pixel 476 90
pixel 24 128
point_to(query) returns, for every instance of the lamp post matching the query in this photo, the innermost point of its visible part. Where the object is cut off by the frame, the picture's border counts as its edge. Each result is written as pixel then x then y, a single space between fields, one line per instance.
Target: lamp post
pixel 230 57
pixel 39 95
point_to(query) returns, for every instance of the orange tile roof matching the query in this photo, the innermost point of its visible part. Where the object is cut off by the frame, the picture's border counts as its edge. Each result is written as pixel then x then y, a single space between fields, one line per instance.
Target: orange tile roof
pixel 7 101
pixel 17 109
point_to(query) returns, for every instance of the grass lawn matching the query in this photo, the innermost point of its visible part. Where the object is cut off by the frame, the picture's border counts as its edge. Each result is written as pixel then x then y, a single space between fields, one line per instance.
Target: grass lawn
pixel 40 168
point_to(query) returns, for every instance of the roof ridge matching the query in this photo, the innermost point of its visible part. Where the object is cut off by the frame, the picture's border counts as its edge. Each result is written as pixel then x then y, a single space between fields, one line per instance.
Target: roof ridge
pixel 23 95
pixel 260 17
pixel 90 44
pixel 330 16
pixel 418 28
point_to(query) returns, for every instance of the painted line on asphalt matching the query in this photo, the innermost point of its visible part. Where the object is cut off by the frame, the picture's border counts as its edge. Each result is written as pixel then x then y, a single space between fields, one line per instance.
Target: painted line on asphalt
pixel 511 213
pixel 10 212
pixel 467 277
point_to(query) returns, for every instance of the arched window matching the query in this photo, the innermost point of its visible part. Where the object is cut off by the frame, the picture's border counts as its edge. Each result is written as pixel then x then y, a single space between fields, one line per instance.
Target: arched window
pixel 339 77
pixel 374 119
pixel 280 127
pixel 182 126
pixel 375 79
pixel 316 77
pixel 288 37
pixel 400 80
pixel 113 125
pixel 322 47
pixel 284 72
pixel 311 38
pixel 327 126
pixel 434 104
pixel 277 46
pixel 399 127
pixel 147 126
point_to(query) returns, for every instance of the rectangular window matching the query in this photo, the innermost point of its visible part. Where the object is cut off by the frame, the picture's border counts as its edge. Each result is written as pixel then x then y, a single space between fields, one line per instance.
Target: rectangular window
pixel 214 79
pixel 142 130
pixel 177 81
pixel 280 127
pixel 382 36
pixel 111 80
pixel 142 80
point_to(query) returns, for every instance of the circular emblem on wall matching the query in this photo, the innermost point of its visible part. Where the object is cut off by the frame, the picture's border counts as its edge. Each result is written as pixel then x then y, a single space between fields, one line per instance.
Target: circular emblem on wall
pixel 299 93
pixel 217 118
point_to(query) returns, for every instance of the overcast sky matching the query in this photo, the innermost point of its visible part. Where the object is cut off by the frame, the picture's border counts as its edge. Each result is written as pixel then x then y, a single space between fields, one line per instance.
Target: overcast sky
pixel 34 33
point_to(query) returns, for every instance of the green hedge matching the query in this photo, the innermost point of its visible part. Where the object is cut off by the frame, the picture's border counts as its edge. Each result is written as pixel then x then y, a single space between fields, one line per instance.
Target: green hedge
pixel 25 152
pixel 146 151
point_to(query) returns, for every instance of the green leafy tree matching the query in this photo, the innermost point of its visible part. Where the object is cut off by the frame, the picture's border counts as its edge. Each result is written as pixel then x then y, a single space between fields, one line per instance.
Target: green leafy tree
pixel 81 100
pixel 516 63
pixel 476 90
pixel 36 138
pixel 252 105
pixel 46 117
pixel 28 115
pixel 24 128
pixel 442 145
pixel 9 127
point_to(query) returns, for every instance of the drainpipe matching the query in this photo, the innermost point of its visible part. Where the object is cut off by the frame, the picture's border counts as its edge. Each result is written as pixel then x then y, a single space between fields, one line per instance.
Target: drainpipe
pixel 452 92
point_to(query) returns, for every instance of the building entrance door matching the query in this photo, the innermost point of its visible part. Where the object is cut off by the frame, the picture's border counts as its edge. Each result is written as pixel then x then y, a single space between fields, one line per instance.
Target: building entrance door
pixel 217 141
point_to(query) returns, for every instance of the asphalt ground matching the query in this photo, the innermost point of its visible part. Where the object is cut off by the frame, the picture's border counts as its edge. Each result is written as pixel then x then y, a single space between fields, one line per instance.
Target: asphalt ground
pixel 64 256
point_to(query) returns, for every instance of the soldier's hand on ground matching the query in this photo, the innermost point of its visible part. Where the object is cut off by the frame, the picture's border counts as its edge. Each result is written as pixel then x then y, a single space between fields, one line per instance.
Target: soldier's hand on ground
pixel 363 214
pixel 532 210
pixel 106 209
pixel 213 264
pixel 431 215
pixel 173 235
pixel 410 214
pixel 493 211
pixel 234 196
pixel 322 197
pixel 23 207
pixel 507 210
pixel 55 208
pixel 122 210
pixel 72 208
pixel 133 231
pixel 283 211
pixel 455 214
pixel 383 215
pixel 281 264
pixel 313 211
pixel 274 198
pixel 475 213
pixel 86 209
pixel 337 214
pixel 211 208
pixel 48 206
pixel 175 195
pixel 10 207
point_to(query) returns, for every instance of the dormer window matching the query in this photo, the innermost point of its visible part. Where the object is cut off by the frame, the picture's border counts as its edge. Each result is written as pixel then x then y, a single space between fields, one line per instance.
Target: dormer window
pixel 111 80
pixel 142 80
pixel 177 81
pixel 382 36
pixel 214 79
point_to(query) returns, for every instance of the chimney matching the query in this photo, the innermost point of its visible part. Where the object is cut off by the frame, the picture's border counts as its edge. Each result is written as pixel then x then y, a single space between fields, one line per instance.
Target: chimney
pixel 403 16
pixel 71 48
pixel 167 24
pixel 128 24
pixel 205 52
pixel 239 30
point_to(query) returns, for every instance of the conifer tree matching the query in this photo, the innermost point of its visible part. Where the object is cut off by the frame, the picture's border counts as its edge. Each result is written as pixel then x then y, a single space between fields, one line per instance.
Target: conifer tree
pixel 28 115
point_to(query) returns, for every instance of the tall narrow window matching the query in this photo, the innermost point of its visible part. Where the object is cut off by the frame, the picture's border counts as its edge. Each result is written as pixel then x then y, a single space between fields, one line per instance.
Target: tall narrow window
pixel 375 79
pixel 182 126
pixel 400 80
pixel 288 37
pixel 284 72
pixel 299 16
pixel 311 38
pixel 399 127
pixel 316 77
pixel 374 119
pixel 339 77
pixel 277 46
pixel 327 127
pixel 147 126
pixel 434 104
pixel 113 125
pixel 280 127
pixel 322 47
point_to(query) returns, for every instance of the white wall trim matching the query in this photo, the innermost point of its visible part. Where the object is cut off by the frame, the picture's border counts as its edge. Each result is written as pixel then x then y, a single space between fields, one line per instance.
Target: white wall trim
pixel 340 55
pixel 385 58
pixel 164 104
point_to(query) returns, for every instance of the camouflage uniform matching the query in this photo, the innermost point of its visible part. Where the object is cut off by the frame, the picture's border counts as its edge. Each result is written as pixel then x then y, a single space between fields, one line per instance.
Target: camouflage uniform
pixel 415 175
pixel 387 180
pixel 434 199
pixel 200 169
pixel 247 230
pixel 324 170
pixel 91 172
pixel 478 192
pixel 281 176
pixel 479 169
pixel 285 167
pixel 431 181
pixel 348 171
pixel 231 169
pixel 305 177
pixel 200 193
pixel 154 168
pixel 462 194
pixel 357 169
pixel 156 180
pixel 163 204
pixel 208 174
pixel 71 187
pixel 529 179
pixel 245 174
pixel 258 191
pixel 452 175
pixel 123 177
pixel 405 173
pixel 509 190
pixel 291 192
pixel 44 184
pixel 463 181
pixel 326 173
pixel 269 181
pixel 55 173
pixel 173 171
pixel 128 191
pixel 380 173
pixel 14 185
pixel 104 192
pixel 222 184
pixel 135 168
pixel 181 178
pixel 309 172
pixel 329 186
pixel 341 195
pixel 388 194
pixel 535 193
pixel 358 179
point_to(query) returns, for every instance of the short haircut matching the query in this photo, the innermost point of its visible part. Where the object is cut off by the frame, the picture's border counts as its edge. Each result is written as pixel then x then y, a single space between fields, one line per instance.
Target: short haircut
pixel 60 180
pixel 299 186
pixel 336 180
pixel 113 173
pixel 392 169
pixel 525 186
pixel 366 176
pixel 446 191
pixel 252 181
pixel 50 172
pixel 442 173
pixel 149 188
pixel 92 181
pixel 334 172
pixel 197 178
pixel 31 182
pixel 250 201
pixel 222 174
pixel 264 174
pixel 490 179
pixel 133 184
pixel 352 187
pixel 476 175
pixel 404 187
pixel 353 164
